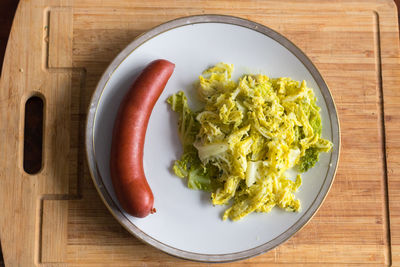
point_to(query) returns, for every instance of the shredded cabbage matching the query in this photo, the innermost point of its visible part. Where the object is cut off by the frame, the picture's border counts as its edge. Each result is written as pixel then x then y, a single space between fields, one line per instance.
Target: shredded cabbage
pixel 244 139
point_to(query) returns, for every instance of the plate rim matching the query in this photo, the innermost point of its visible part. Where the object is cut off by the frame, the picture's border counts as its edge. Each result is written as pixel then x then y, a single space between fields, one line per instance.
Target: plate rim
pixel 224 19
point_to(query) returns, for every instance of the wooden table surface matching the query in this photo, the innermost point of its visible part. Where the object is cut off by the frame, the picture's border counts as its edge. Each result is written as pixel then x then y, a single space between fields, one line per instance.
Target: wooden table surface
pixel 7 9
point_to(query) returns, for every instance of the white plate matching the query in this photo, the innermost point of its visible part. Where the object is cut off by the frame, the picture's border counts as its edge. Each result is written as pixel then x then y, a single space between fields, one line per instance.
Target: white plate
pixel 186 224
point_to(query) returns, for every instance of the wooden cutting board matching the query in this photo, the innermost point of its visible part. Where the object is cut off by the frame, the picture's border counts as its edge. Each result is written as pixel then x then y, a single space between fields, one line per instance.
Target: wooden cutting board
pixel 59 49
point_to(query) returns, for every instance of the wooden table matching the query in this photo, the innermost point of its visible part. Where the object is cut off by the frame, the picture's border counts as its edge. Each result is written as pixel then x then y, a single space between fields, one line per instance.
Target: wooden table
pixel 59 49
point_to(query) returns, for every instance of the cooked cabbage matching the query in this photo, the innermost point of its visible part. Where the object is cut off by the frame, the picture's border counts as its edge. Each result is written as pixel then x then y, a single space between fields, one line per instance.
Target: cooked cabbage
pixel 248 134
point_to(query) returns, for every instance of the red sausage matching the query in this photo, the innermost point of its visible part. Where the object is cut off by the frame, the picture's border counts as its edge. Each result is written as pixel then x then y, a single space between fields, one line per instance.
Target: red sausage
pixel 126 163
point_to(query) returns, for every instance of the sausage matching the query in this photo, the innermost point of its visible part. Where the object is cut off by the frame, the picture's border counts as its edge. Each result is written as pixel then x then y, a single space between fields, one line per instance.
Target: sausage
pixel 126 162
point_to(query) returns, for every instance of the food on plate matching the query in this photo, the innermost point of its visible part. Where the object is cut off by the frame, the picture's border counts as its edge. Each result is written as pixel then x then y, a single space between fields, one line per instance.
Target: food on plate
pixel 126 163
pixel 244 139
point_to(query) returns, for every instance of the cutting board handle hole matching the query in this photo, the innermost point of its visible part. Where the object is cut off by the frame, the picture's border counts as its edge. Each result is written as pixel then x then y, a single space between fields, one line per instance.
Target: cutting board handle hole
pixel 33 135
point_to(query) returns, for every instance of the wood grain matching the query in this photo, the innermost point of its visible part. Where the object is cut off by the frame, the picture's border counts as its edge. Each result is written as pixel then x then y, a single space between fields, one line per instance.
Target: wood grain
pixel 357 53
pixel 54 231
pixel 60 29
pixel 7 11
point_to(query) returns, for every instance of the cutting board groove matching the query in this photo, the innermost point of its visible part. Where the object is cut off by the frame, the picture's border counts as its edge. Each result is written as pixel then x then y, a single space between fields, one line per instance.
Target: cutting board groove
pixel 381 112
pixel 60 48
